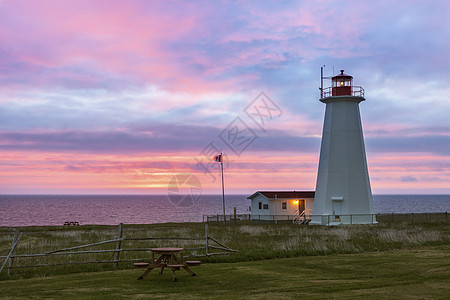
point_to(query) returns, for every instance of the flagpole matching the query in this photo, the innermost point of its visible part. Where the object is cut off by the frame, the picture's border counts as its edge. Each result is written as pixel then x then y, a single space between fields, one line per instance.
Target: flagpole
pixel 223 190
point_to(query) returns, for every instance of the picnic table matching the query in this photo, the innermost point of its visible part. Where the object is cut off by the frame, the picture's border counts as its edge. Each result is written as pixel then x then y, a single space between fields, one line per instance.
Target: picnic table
pixel 171 258
pixel 71 224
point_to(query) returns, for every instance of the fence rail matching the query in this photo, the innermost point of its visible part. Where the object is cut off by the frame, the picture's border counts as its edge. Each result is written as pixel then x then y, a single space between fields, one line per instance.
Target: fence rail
pixel 229 218
pixel 207 240
pixel 329 219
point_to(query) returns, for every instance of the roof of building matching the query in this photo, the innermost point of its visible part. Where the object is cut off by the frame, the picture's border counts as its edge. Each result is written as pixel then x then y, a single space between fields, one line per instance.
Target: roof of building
pixel 342 74
pixel 284 194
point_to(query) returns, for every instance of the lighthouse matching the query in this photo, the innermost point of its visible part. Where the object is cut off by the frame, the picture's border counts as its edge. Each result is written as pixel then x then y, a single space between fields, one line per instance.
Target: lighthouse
pixel 343 194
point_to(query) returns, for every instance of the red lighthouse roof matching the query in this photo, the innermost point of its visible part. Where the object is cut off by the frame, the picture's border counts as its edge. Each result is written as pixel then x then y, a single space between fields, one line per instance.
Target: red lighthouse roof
pixel 342 75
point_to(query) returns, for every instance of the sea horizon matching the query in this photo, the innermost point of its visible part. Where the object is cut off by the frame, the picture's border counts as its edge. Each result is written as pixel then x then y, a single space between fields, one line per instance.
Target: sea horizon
pixel 111 209
pixel 207 194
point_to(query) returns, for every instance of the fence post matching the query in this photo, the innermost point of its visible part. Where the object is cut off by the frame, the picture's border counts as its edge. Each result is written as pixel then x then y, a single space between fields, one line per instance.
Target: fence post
pixel 206 239
pixel 412 218
pixel 118 245
pixel 11 259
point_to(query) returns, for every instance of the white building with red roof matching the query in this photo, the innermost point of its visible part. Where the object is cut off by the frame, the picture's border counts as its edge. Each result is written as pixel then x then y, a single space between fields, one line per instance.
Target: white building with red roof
pixel 277 206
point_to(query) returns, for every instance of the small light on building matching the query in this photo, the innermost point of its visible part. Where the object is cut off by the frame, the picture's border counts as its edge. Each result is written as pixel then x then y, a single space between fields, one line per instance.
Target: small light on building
pixel 296 201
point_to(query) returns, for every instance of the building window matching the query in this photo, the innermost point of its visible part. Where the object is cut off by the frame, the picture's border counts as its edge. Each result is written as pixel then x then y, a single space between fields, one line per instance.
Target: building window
pixel 283 205
pixel 260 205
pixel 266 206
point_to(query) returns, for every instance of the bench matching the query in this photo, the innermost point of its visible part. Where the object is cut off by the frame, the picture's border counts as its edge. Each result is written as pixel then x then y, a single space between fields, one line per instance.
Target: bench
pixel 175 266
pixel 141 265
pixel 193 263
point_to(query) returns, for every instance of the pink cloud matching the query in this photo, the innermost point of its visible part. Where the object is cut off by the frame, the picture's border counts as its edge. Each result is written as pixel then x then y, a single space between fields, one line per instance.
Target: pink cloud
pixel 252 171
pixel 158 42
pixel 111 37
pixel 152 173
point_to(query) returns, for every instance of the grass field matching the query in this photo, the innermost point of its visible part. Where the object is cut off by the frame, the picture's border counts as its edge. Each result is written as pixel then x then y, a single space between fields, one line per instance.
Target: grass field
pixel 288 261
pixel 422 273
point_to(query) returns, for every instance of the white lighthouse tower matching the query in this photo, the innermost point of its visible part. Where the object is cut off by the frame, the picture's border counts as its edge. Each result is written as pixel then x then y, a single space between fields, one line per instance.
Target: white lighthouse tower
pixel 343 194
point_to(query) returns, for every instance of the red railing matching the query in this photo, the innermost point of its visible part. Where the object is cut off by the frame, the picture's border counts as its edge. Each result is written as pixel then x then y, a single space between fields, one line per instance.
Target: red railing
pixel 356 91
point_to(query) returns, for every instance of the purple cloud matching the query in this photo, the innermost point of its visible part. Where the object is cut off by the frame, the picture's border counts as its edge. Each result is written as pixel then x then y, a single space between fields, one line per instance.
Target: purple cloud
pixel 408 179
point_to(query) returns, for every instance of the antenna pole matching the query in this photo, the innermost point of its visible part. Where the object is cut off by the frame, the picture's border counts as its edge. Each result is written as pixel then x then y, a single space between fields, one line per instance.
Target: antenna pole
pixel 321 82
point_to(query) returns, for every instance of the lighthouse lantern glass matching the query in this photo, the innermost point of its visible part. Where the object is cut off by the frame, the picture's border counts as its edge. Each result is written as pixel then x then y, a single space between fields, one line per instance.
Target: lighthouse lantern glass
pixel 342 84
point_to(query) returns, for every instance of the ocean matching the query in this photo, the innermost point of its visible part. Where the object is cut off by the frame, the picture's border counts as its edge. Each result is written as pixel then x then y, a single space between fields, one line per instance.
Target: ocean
pixel 40 210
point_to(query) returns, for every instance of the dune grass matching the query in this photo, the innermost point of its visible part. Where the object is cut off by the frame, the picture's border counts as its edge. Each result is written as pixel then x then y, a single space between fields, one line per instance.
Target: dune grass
pixel 422 273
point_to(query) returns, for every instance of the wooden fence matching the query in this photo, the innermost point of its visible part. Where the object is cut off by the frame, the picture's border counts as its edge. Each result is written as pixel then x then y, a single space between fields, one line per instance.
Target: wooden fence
pixel 433 217
pixel 210 247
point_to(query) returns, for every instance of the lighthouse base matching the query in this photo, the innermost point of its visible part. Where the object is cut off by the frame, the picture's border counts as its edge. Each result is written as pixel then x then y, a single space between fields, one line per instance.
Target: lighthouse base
pixel 334 220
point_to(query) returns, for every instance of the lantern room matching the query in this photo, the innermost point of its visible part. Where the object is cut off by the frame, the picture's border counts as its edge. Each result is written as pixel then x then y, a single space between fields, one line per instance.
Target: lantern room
pixel 341 84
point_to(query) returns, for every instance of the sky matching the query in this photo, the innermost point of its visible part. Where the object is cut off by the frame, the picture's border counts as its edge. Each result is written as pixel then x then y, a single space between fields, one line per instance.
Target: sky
pixel 117 97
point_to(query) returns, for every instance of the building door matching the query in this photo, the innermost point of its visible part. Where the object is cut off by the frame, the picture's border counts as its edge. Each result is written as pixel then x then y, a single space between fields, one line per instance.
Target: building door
pixel 337 209
pixel 301 206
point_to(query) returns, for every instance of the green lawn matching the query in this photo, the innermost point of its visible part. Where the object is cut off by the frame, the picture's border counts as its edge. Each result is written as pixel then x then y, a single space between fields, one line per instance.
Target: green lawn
pixel 419 273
